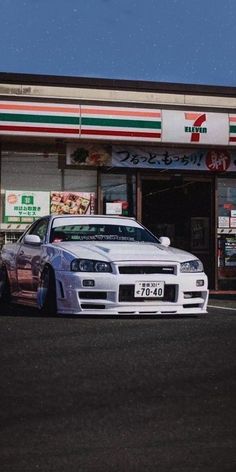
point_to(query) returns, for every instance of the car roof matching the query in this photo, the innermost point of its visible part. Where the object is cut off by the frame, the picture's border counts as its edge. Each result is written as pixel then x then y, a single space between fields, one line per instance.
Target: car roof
pixel 58 220
pixel 92 216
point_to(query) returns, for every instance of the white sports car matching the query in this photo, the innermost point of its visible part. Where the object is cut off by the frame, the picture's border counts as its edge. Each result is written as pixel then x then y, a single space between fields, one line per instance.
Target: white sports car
pixel 100 265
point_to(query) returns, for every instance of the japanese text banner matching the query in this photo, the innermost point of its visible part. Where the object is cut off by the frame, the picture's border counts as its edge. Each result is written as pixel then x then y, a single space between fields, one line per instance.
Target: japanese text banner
pixel 213 160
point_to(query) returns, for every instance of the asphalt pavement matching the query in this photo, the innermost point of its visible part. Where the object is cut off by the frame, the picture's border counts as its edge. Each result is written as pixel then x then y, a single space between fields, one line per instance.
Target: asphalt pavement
pixel 117 394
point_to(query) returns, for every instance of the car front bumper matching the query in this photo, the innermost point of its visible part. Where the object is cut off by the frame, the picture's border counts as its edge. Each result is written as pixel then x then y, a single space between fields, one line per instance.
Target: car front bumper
pixel 113 294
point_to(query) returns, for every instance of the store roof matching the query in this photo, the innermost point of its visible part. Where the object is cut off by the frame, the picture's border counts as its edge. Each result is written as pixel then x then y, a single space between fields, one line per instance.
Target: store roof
pixel 114 84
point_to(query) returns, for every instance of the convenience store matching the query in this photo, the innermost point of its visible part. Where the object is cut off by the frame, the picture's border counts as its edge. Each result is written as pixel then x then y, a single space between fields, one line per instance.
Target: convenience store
pixel 163 153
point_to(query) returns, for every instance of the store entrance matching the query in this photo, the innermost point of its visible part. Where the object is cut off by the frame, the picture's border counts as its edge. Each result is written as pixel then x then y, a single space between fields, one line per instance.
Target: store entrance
pixel 182 208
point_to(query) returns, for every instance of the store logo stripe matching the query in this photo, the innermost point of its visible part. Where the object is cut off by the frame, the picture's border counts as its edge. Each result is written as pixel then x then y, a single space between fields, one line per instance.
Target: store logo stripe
pixel 130 129
pixel 40 129
pixel 120 112
pixel 232 129
pixel 232 119
pixel 232 139
pixel 30 107
pixel 91 132
pixel 120 123
pixel 38 125
pixel 36 113
pixel 39 118
pixel 139 119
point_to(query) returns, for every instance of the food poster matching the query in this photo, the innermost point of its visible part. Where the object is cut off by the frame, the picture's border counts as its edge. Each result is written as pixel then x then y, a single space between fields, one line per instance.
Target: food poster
pixel 25 206
pixel 230 251
pixel 88 155
pixel 72 203
pixel 226 252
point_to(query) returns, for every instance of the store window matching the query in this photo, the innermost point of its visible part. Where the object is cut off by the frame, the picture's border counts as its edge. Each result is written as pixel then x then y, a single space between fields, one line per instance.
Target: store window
pixel 226 204
pixel 80 180
pixel 118 194
pixel 31 171
pixel 33 185
pixel 26 181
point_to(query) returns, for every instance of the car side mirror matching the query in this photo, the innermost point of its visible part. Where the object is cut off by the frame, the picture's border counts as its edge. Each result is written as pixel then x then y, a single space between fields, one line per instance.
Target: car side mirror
pixel 164 241
pixel 33 239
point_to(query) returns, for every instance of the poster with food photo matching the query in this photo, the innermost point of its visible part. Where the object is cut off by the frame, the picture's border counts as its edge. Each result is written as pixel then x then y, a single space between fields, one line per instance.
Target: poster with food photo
pixel 88 155
pixel 72 203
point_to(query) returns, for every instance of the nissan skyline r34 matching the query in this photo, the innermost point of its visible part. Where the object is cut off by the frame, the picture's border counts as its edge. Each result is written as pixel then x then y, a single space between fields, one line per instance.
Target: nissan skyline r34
pixel 100 265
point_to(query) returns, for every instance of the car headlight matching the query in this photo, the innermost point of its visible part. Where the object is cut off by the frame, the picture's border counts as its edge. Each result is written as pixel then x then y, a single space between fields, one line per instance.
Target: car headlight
pixel 191 266
pixel 88 265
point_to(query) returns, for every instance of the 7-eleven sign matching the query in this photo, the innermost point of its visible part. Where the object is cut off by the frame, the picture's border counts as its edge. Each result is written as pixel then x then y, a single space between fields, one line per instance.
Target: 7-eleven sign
pixel 194 127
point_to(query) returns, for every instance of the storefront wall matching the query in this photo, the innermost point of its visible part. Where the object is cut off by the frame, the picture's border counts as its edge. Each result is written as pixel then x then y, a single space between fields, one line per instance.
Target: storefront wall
pixel 197 210
pixel 133 159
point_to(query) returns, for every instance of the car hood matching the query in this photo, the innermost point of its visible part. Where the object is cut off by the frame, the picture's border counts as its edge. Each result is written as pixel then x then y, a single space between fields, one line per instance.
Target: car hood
pixel 125 251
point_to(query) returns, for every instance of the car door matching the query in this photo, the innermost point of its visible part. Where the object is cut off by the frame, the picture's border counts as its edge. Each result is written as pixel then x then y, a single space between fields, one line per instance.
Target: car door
pixel 28 260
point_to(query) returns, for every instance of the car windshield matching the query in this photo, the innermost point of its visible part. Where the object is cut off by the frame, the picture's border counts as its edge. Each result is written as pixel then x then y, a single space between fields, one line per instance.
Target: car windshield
pixel 101 232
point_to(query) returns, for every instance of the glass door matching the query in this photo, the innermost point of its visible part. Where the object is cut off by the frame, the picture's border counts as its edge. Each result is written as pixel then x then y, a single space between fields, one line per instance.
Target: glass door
pixel 182 208
pixel 118 194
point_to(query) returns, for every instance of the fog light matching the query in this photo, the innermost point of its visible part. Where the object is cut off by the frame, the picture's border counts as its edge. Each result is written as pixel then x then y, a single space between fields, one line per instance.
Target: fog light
pixel 200 283
pixel 188 295
pixel 88 283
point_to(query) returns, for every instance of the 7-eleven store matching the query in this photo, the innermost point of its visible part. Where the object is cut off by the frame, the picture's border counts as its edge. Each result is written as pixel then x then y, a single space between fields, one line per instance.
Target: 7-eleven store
pixel 163 153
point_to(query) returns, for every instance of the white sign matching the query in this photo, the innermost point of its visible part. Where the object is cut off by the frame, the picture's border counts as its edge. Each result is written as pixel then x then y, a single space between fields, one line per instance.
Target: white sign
pixel 114 208
pixel 223 222
pixel 23 206
pixel 195 127
pixel 233 222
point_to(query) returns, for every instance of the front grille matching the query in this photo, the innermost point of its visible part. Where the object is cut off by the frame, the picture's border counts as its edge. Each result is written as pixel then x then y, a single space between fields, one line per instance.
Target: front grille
pixel 92 295
pixel 126 294
pixel 146 269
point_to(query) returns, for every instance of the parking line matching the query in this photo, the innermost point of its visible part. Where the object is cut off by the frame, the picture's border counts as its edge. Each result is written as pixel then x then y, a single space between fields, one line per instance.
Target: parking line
pixel 222 307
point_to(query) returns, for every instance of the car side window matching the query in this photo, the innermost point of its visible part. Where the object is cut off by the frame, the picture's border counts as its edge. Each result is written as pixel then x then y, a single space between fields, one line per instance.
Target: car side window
pixel 40 229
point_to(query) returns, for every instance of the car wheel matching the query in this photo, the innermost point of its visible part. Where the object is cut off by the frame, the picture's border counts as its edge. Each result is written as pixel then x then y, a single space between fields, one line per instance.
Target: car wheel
pixel 5 292
pixel 47 293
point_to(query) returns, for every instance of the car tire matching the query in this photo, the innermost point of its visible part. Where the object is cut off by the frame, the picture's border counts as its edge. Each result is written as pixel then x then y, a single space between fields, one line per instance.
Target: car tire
pixel 47 293
pixel 5 294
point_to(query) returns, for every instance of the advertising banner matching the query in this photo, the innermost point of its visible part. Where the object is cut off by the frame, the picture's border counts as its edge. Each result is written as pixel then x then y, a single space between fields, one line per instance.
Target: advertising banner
pixel 25 206
pixel 72 203
pixel 210 160
pixel 88 155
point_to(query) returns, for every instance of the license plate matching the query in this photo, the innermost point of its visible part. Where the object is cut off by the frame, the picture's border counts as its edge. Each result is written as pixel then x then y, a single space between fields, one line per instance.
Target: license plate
pixel 149 289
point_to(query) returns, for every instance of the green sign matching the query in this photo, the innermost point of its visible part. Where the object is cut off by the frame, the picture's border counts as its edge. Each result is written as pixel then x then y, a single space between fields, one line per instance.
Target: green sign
pixel 27 200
